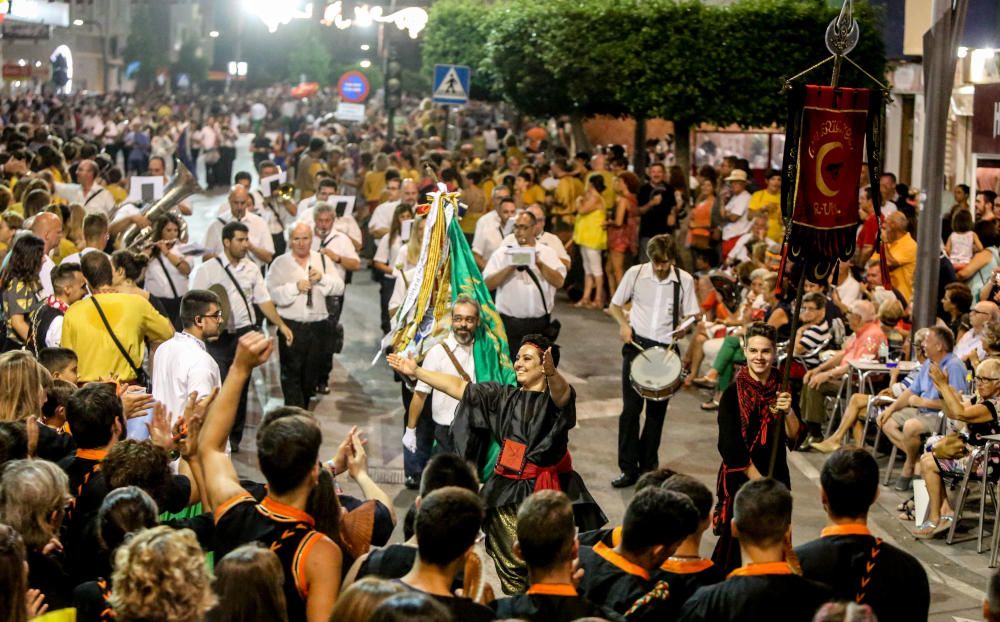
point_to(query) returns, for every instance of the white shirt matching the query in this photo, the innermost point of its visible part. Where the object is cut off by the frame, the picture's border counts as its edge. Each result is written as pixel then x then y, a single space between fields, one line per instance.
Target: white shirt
pixel 258 111
pixel 443 406
pixel 548 239
pixel 182 366
pixel 76 257
pixel 386 251
pixel 251 284
pixel 849 290
pixel 382 216
pixel 282 283
pixel 739 204
pixel 276 216
pixel 45 275
pixel 402 284
pixel 518 296
pixel 54 334
pixel 157 272
pixel 741 251
pixel 259 234
pixel 339 244
pixel 344 224
pixel 489 235
pixel 970 342
pixel 652 311
pixel 98 201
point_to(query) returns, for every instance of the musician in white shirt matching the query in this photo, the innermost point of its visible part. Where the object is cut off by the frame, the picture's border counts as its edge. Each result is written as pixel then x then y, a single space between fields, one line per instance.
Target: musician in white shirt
pixel 299 287
pixel 182 364
pixel 244 286
pixel 277 212
pixel 525 294
pixel 261 246
pixel 381 220
pixel 337 254
pixel 347 225
pixel 662 295
pixel 168 270
pixel 493 227
pixel 544 237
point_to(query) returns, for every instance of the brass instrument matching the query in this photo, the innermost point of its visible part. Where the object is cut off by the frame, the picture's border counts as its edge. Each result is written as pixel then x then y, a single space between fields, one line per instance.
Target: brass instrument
pixel 182 185
pixel 283 193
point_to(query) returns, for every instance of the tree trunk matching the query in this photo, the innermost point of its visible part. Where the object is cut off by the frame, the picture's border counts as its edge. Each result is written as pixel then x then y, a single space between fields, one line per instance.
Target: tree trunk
pixel 580 140
pixel 682 145
pixel 639 146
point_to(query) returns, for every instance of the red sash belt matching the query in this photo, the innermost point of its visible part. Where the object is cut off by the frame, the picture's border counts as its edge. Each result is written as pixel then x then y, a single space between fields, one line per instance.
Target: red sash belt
pixel 546 477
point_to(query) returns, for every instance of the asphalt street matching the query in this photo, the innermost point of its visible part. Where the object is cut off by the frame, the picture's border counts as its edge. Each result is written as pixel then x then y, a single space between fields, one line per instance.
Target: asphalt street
pixel 365 395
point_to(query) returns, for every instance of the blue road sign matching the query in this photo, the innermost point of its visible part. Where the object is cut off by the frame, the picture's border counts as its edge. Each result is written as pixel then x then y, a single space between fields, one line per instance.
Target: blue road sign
pixel 353 87
pixel 451 84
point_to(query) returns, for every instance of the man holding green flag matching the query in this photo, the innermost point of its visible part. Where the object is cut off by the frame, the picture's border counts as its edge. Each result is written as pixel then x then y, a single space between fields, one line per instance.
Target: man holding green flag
pixel 451 288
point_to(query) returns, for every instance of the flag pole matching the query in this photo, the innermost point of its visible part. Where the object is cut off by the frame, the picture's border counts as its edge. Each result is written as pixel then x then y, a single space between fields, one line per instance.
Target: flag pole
pixel 841 37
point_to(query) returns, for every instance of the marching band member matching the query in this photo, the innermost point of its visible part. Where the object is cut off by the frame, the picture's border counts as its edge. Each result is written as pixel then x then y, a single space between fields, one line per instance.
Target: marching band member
pixel 299 287
pixel 244 285
pixel 337 255
pixel 259 243
pixel 661 295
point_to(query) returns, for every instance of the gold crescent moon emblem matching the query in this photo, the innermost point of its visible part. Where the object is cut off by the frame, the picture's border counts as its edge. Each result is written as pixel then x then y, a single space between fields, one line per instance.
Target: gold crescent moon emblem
pixel 820 157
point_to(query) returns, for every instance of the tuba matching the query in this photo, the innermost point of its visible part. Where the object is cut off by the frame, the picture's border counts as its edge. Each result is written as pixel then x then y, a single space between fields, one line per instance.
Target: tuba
pixel 182 185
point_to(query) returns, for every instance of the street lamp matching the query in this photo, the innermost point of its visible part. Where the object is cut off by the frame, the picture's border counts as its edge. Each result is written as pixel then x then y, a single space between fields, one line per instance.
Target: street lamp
pixel 214 34
pixel 104 46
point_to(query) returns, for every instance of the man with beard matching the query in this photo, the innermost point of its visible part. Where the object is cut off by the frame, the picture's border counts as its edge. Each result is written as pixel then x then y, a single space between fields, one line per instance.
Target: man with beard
pixel 182 365
pixel 451 356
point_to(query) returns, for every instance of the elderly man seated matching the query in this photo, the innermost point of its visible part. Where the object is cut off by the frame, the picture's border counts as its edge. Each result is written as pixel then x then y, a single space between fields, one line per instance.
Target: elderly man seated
pixel 915 413
pixel 859 402
pixel 979 419
pixel 970 345
pixel 825 380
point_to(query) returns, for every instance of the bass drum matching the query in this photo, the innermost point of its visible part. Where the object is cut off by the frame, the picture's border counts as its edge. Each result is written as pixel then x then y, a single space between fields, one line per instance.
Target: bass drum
pixel 656 373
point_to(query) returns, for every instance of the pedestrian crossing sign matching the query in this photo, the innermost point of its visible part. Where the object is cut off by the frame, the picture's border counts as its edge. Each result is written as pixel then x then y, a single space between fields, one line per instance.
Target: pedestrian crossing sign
pixel 451 84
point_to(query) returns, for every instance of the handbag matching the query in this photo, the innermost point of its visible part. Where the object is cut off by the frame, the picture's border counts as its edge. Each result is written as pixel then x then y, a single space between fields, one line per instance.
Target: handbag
pixel 951 447
pixel 552 327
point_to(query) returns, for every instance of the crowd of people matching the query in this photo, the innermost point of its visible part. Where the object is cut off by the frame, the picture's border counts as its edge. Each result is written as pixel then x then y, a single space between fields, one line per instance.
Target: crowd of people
pixel 126 365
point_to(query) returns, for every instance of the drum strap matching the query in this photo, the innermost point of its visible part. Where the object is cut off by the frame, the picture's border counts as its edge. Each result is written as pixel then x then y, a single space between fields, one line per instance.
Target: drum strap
pixel 677 300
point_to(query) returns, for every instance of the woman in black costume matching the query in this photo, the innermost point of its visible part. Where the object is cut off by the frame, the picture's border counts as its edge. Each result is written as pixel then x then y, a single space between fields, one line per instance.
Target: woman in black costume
pixel 531 423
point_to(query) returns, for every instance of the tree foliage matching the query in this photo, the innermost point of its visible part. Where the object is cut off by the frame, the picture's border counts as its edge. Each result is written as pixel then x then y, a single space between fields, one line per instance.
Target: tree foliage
pixel 677 59
pixel 456 34
pixel 148 42
pixel 309 57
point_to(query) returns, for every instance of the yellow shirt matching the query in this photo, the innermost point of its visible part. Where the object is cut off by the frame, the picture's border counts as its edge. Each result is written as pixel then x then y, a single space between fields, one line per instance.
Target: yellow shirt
pixel 132 319
pixel 535 194
pixel 488 185
pixel 565 196
pixel 119 193
pixel 66 248
pixel 904 252
pixel 771 203
pixel 373 186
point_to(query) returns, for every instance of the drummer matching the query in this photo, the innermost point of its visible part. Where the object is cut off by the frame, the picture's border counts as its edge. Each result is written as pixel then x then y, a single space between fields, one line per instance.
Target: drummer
pixel 662 296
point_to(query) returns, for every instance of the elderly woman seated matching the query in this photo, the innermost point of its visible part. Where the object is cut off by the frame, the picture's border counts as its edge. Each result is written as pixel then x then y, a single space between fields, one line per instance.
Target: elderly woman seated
pixel 979 419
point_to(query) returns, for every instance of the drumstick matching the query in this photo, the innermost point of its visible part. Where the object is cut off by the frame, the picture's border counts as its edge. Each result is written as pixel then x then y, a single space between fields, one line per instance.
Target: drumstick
pixel 642 351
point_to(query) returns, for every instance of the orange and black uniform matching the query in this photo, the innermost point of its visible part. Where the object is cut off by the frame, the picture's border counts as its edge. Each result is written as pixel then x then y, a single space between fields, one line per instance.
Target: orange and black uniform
pixel 683 576
pixel 286 530
pixel 861 568
pixel 758 593
pixel 464 609
pixel 546 602
pixel 79 533
pixel 617 583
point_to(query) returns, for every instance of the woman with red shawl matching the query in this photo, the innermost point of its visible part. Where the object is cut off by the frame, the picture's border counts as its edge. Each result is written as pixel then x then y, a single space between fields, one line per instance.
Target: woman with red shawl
pixel 747 413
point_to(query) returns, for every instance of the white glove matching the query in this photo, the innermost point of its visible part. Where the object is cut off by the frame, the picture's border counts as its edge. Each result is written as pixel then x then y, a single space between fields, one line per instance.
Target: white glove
pixel 410 440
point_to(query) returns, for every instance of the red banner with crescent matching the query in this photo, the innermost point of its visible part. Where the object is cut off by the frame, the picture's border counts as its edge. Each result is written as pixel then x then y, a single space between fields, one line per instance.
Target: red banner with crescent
pixel 824 151
pixel 830 158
